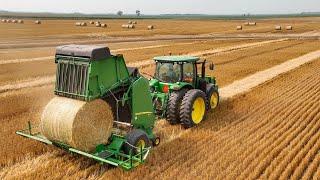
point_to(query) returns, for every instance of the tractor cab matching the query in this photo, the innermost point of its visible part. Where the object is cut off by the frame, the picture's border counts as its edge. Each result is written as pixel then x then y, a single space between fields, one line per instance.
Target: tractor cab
pixel 174 77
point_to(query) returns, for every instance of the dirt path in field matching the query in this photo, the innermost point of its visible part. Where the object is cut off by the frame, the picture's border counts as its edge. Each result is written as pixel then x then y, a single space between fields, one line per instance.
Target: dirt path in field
pixel 11 61
pixel 40 81
pixel 244 85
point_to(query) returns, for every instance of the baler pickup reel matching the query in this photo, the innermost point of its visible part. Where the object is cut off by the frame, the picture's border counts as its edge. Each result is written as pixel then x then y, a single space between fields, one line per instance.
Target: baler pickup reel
pixel 110 154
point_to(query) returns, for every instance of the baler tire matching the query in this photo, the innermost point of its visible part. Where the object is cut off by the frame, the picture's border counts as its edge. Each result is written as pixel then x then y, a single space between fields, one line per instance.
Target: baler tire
pixel 133 138
pixel 187 108
pixel 173 107
pixel 212 90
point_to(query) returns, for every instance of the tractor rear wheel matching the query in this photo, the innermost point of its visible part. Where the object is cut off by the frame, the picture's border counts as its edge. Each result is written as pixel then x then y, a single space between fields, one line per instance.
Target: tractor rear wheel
pixel 193 108
pixel 136 139
pixel 212 96
pixel 173 108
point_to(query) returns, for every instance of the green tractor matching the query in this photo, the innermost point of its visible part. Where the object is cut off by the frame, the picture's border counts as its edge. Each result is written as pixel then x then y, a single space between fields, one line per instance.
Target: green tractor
pixel 180 93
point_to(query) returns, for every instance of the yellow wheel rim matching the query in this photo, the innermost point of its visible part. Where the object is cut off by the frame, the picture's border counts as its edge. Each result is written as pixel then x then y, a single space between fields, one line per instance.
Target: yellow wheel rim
pixel 214 100
pixel 198 110
pixel 141 144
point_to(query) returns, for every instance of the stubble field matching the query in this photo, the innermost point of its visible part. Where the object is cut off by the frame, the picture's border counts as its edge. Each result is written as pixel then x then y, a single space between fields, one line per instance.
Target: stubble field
pixel 269 132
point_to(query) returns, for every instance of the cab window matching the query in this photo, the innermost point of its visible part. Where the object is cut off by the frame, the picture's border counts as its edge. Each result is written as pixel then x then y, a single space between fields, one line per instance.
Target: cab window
pixel 188 72
pixel 168 72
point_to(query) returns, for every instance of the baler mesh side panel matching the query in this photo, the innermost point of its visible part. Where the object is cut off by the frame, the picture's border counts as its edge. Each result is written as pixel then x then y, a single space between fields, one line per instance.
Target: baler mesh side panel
pixel 71 78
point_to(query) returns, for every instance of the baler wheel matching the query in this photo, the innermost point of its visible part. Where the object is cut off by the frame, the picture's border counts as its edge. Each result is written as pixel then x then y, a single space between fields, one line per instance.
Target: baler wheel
pixel 193 108
pixel 213 97
pixel 174 104
pixel 135 140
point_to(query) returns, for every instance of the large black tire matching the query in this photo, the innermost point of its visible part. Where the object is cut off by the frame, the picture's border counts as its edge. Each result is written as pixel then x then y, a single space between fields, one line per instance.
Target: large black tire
pixel 173 107
pixel 133 138
pixel 213 97
pixel 188 114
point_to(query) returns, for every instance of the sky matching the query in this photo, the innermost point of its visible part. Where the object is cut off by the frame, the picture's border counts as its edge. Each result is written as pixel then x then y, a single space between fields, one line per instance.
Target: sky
pixel 164 6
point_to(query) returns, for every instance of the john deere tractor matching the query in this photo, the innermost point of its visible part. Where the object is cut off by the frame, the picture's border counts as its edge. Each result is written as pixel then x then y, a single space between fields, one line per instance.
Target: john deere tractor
pixel 181 91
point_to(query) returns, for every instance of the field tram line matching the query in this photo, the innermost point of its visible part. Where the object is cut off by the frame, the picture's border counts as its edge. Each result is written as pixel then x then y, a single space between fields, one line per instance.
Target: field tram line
pixel 246 151
pixel 225 149
pixel 252 141
pixel 266 157
pixel 203 142
pixel 311 169
pixel 303 158
pixel 316 175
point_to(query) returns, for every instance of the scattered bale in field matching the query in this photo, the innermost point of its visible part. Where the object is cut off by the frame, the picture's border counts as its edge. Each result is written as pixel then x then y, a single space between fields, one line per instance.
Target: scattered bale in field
pixel 82 125
pixel 14 21
pixel 150 27
pixel 91 22
pixel 289 27
pixel 98 25
pixel 20 21
pixel 83 24
pixel 278 28
pixel 239 27
pixel 37 22
pixel 128 26
pixel 134 22
pixel 246 23
pixel 252 23
pixel 104 25
pixel 129 22
pixel 78 23
pixel 97 22
pixel 3 20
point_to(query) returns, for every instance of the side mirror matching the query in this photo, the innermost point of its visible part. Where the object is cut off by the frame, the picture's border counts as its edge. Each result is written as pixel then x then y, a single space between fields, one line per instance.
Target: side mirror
pixel 211 66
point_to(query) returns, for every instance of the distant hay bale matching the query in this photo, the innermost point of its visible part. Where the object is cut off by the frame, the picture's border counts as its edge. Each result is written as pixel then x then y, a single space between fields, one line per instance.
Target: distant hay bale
pixel 78 23
pixel 134 22
pixel 246 23
pixel 239 27
pixel 37 22
pixel 278 28
pixel 252 23
pixel 98 25
pixel 91 22
pixel 128 26
pixel 104 25
pixel 125 25
pixel 3 20
pixel 82 125
pixel 129 22
pixel 289 27
pixel 97 22
pixel 83 24
pixel 150 27
pixel 20 21
pixel 14 21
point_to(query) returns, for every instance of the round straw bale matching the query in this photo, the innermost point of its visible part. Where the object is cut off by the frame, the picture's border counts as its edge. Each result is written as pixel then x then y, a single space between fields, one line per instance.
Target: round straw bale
pixel 246 23
pixel 134 22
pixel 97 22
pixel 104 25
pixel 91 22
pixel 98 25
pixel 289 27
pixel 129 22
pixel 131 26
pixel 78 23
pixel 3 20
pixel 83 24
pixel 278 28
pixel 20 21
pixel 14 21
pixel 37 22
pixel 82 125
pixel 239 27
pixel 124 25
pixel 252 23
pixel 150 27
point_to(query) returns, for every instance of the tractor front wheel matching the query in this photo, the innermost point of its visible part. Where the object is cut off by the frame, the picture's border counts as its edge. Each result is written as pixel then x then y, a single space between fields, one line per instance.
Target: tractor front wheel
pixel 136 140
pixel 193 108
pixel 173 108
pixel 213 97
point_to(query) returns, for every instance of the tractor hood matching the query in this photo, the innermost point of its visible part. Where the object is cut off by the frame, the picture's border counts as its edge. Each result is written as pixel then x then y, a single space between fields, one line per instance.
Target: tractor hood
pixel 164 87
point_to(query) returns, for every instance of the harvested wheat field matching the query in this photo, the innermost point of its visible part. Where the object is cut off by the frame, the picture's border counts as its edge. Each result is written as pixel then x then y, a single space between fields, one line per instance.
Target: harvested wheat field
pixel 265 127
